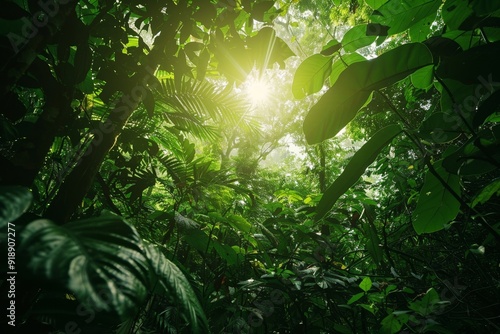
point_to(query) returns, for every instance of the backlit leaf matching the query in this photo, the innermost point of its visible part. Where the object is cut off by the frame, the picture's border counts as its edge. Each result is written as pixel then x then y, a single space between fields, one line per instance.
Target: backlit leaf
pixel 487 192
pixel 356 167
pixel 356 38
pixel 311 75
pixel 366 284
pixel 436 206
pixel 401 15
pixel 341 102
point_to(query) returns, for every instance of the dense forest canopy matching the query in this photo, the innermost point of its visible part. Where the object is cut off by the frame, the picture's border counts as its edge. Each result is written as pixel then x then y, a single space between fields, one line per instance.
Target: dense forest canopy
pixel 247 166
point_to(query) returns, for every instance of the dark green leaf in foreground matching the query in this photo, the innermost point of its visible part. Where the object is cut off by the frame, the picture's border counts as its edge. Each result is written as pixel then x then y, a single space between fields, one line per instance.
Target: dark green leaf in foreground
pixel 356 167
pixel 14 201
pixel 436 206
pixel 98 259
pixel 174 283
pixel 341 102
pixel 401 15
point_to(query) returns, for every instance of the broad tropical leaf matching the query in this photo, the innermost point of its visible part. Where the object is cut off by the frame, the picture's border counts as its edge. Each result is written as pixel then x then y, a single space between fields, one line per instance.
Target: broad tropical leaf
pixel 356 38
pixel 311 75
pixel 342 63
pixel 436 206
pixel 341 102
pixel 356 167
pixel 100 260
pixel 14 201
pixel 400 15
pixel 175 284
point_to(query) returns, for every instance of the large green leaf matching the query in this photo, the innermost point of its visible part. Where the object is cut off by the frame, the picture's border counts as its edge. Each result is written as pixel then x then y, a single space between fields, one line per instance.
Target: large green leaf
pixel 239 223
pixel 436 206
pixel 99 259
pixel 356 38
pixel 375 3
pixel 174 283
pixel 476 66
pixel 356 167
pixel 311 75
pixel 340 103
pixel 14 201
pixel 342 63
pixel 400 15
pixel 437 128
pixel 455 12
pixel 420 31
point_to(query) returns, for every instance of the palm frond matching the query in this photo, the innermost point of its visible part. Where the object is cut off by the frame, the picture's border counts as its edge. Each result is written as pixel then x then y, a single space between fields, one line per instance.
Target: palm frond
pixel 174 283
pixel 206 99
pixel 176 169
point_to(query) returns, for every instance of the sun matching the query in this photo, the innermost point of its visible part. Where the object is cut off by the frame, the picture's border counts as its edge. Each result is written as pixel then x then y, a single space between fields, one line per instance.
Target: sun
pixel 257 91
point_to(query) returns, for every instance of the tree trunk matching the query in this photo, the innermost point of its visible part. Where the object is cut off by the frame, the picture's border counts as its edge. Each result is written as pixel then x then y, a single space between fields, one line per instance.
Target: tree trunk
pixel 78 182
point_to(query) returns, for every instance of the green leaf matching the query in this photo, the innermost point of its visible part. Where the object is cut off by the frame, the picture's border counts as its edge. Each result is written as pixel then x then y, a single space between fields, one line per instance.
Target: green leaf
pixel 311 75
pixel 478 155
pixel 14 201
pixel 393 323
pixel 176 285
pixel 427 304
pixel 455 12
pixel 439 128
pixel 341 102
pixel 366 284
pixel 487 192
pixel 423 77
pixel 99 259
pixel 475 66
pixel 331 47
pixel 375 4
pixel 436 205
pixel 239 223
pixel 485 7
pixel 342 63
pixel 370 308
pixel 401 15
pixel 420 31
pixel 259 9
pixel 373 244
pixel 356 38
pixel 355 298
pixel 356 167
